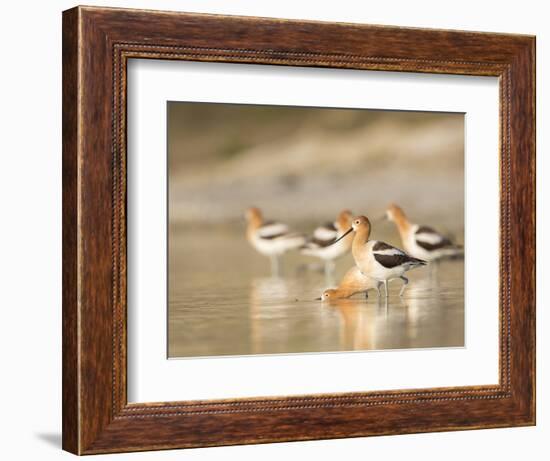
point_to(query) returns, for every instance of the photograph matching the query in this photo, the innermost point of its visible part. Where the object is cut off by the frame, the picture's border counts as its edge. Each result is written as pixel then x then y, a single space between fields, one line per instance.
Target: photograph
pixel 297 230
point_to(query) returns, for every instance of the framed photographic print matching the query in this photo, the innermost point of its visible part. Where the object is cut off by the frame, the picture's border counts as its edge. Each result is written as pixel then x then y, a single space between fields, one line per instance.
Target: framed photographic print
pixel 284 230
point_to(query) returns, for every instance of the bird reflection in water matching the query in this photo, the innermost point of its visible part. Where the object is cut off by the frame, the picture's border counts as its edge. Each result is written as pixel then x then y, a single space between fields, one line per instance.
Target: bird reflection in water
pixel 267 296
pixel 369 324
pixel 357 328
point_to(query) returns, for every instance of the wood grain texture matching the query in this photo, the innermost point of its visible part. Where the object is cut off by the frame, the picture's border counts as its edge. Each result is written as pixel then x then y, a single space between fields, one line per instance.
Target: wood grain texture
pixel 70 384
pixel 97 43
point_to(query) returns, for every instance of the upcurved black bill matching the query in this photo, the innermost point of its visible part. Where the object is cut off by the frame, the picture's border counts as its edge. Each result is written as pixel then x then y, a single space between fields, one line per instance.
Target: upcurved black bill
pixel 340 238
pixel 317 299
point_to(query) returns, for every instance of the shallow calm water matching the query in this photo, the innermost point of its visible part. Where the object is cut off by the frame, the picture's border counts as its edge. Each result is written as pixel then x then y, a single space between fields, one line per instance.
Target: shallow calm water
pixel 223 301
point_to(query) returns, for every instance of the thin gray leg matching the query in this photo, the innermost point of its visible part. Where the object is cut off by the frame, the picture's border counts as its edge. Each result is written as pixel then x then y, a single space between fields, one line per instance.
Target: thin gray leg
pixel 274 265
pixel 378 285
pixel 405 282
pixel 329 268
pixel 434 265
pixel 386 288
pixel 329 272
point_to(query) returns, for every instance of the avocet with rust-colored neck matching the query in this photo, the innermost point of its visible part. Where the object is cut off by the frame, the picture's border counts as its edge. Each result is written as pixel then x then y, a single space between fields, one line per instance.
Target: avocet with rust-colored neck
pixel 271 238
pixel 354 282
pixel 379 260
pixel 421 241
pixel 320 244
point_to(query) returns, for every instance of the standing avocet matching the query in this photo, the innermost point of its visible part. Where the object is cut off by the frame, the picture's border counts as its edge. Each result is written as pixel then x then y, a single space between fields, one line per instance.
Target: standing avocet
pixel 271 238
pixel 320 244
pixel 421 241
pixel 379 260
pixel 354 282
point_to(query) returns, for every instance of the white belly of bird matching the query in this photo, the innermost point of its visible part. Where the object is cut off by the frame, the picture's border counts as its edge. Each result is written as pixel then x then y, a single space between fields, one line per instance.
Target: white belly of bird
pixel 372 268
pixel 381 273
pixel 277 246
pixel 330 252
pixel 415 250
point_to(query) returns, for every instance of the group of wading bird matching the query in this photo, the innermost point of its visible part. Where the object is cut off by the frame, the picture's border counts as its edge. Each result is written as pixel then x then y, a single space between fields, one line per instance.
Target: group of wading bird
pixel 376 262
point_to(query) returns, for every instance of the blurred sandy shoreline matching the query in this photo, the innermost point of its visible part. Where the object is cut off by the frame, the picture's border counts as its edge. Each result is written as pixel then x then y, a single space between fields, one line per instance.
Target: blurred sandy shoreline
pixel 304 165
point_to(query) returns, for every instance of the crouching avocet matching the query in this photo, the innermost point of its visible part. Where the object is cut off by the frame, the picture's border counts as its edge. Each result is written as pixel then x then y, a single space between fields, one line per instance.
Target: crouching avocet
pixel 379 260
pixel 354 282
pixel 320 244
pixel 421 241
pixel 271 238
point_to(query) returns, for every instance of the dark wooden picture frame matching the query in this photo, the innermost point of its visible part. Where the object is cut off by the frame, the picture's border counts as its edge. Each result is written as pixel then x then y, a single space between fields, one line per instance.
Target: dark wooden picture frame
pixel 97 44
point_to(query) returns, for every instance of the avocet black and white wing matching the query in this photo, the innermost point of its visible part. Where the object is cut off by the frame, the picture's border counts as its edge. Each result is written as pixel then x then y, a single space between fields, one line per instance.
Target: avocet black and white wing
pixel 431 240
pixel 326 232
pixel 391 257
pixel 271 230
pixel 323 236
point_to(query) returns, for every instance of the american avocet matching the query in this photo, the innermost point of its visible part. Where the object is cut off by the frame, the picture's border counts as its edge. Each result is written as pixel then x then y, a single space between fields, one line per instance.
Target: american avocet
pixel 271 238
pixel 320 244
pixel 354 282
pixel 421 241
pixel 379 260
